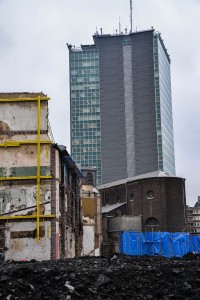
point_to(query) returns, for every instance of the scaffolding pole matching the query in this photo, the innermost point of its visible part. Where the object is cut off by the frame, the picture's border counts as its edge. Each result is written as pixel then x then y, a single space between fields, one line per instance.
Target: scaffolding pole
pixel 38 178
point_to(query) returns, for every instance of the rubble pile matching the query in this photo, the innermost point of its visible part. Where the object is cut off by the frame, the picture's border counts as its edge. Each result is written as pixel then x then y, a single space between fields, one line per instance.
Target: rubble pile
pixel 117 277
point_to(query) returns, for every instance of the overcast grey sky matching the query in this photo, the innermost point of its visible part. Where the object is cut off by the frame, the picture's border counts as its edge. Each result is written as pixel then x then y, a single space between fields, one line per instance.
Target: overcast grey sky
pixel 34 58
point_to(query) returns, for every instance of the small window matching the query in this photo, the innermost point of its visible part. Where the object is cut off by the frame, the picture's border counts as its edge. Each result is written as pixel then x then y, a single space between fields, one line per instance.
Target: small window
pixel 89 177
pixel 131 197
pixel 150 195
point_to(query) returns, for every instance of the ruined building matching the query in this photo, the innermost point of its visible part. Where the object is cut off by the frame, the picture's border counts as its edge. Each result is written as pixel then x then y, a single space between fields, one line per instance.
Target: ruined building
pixel 92 219
pixel 40 207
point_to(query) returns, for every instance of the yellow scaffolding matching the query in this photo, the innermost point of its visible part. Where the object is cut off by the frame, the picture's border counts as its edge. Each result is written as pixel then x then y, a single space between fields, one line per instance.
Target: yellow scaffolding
pixel 38 178
pixel 18 143
pixel 26 217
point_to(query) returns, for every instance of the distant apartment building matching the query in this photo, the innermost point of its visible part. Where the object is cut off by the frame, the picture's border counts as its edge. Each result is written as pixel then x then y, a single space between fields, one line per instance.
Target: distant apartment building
pixel 121 106
pixel 40 204
pixel 194 218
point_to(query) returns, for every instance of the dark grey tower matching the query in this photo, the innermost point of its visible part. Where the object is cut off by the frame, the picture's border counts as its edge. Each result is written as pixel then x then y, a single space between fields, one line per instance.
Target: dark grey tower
pixel 136 128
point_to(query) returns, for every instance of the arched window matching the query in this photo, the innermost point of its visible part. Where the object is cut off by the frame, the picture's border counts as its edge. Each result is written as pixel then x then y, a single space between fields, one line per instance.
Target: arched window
pixel 152 221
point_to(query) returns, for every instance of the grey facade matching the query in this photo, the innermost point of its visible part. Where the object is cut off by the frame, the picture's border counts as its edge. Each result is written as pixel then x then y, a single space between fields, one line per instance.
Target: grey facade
pixel 136 128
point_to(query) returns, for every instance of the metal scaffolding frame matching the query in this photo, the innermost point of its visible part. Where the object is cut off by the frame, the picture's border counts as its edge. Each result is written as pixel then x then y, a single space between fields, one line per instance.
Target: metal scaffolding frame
pixel 38 178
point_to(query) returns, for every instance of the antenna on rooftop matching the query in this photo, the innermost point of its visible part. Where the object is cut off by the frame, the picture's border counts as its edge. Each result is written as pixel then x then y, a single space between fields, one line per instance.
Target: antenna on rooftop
pixel 119 26
pixel 131 17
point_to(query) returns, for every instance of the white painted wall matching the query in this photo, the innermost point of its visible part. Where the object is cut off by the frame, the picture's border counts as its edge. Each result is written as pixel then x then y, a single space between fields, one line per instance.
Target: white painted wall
pixel 27 248
pixel 24 137
pixel 23 116
pixel 88 240
pixel 24 156
pixel 24 197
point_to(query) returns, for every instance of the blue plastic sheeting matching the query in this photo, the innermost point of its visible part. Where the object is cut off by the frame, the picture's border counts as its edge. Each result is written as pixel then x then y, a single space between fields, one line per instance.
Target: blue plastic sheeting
pixel 158 243
pixel 195 244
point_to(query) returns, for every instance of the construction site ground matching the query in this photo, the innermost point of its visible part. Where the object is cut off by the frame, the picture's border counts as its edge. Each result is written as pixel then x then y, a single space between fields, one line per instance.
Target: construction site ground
pixel 116 277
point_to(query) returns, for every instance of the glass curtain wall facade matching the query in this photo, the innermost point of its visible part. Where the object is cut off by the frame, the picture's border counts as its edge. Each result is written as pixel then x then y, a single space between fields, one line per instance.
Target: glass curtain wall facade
pixel 121 106
pixel 163 101
pixel 85 107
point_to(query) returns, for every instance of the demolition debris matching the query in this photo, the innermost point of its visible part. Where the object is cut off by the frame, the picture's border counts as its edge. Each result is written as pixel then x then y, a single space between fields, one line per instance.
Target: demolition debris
pixel 116 277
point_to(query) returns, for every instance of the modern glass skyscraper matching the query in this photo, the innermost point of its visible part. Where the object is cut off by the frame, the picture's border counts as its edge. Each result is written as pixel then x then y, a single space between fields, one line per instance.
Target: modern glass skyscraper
pixel 163 99
pixel 85 107
pixel 121 107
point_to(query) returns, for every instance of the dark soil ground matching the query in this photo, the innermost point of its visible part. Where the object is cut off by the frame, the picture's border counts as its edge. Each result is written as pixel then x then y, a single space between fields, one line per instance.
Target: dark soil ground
pixel 118 277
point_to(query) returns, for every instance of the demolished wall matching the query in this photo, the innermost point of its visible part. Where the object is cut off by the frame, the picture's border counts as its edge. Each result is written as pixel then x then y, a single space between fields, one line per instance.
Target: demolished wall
pixel 92 220
pixel 25 176
pixel 31 206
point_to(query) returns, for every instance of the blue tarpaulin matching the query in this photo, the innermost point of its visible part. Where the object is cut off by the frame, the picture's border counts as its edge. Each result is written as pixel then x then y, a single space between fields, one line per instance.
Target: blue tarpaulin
pixel 195 244
pixel 158 243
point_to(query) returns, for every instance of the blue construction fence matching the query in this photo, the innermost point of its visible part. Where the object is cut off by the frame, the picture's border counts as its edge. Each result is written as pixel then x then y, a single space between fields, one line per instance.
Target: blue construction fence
pixel 158 243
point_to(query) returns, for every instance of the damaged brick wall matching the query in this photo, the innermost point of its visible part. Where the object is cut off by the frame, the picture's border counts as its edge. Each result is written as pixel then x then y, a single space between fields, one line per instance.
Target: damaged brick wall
pixel 73 215
pixel 53 203
pixel 2 240
pixel 70 216
pixel 78 219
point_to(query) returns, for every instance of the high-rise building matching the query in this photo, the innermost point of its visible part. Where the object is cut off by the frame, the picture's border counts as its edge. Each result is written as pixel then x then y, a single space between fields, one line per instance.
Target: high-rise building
pixel 85 107
pixel 121 107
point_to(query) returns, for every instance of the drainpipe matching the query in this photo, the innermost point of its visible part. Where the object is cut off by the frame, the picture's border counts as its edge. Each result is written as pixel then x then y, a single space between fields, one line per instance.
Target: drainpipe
pixel 62 211
pixel 184 203
pixel 126 198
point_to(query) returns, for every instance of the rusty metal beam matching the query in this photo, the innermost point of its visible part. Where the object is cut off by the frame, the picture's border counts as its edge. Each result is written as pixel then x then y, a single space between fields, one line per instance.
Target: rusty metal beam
pixel 26 217
pixel 24 178
pixel 25 142
pixel 24 99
